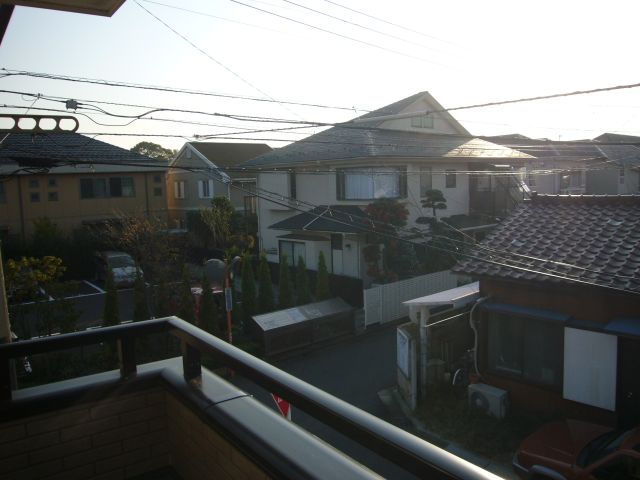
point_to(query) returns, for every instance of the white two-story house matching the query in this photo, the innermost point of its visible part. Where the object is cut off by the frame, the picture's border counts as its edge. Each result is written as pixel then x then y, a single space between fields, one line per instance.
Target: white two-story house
pixel 312 192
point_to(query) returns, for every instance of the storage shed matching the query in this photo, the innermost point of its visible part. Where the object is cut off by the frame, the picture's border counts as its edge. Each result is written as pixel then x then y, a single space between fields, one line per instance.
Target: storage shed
pixel 304 325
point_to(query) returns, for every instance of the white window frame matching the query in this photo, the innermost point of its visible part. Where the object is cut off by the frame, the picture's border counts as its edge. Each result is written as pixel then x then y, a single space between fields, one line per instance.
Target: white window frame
pixel 205 188
pixel 178 189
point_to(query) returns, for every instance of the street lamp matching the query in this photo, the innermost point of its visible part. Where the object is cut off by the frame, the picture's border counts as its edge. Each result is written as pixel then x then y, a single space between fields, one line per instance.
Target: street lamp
pixel 228 295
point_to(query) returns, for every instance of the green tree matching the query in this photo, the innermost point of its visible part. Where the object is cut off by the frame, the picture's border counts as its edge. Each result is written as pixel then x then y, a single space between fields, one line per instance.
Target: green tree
pixel 47 238
pixel 286 291
pixel 140 309
pixel 303 296
pixel 111 313
pixel 208 320
pixel 434 199
pixel 248 286
pixel 25 277
pixel 186 305
pixel 163 303
pixel 153 150
pixel 322 281
pixel 266 302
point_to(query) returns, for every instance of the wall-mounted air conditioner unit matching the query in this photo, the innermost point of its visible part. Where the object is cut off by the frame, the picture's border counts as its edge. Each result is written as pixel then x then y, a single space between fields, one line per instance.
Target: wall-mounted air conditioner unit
pixel 491 400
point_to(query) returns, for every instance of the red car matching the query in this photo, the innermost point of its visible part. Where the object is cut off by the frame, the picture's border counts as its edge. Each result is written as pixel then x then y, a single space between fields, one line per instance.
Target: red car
pixel 574 450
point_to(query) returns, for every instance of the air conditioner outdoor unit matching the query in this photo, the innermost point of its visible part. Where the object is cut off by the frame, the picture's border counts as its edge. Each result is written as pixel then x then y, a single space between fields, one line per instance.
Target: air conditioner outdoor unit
pixel 491 400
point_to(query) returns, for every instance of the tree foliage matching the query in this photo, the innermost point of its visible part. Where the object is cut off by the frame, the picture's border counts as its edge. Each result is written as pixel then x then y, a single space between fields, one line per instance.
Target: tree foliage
pixel 186 305
pixel 208 314
pixel 153 150
pixel 266 301
pixel 435 200
pixel 303 295
pixel 322 281
pixel 140 309
pixel 285 298
pixel 248 286
pixel 111 312
pixel 24 277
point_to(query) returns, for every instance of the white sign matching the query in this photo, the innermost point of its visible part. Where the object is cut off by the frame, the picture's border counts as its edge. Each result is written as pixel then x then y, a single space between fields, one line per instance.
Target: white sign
pixel 402 352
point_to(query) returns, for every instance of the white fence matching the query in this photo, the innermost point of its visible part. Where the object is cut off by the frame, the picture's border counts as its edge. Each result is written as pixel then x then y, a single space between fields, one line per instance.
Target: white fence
pixel 384 303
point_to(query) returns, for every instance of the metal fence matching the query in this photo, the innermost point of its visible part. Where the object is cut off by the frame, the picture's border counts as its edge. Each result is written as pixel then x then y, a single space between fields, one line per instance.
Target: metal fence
pixel 383 303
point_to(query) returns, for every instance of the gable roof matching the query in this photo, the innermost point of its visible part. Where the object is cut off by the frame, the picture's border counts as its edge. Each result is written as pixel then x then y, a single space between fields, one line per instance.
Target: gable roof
pixel 349 143
pixel 591 238
pixel 52 148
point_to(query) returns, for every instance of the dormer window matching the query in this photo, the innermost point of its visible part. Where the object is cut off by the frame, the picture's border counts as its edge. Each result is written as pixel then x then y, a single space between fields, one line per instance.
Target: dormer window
pixel 424 121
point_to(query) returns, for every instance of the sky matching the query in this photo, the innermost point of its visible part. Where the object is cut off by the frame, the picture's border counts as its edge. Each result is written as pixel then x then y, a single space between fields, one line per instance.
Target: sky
pixel 462 52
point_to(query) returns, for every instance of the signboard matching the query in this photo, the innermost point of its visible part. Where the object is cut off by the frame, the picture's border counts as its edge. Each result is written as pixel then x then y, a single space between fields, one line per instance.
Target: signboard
pixel 283 406
pixel 402 349
pixel 228 299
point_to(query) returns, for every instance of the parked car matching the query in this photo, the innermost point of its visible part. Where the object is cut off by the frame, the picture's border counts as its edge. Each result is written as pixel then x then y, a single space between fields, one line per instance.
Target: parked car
pixel 121 264
pixel 575 450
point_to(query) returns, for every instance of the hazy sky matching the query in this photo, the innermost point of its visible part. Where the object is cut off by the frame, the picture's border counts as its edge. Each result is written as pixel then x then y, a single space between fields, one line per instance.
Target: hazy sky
pixel 462 52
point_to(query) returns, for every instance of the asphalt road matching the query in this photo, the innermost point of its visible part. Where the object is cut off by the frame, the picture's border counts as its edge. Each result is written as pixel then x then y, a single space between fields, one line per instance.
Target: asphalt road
pixel 353 370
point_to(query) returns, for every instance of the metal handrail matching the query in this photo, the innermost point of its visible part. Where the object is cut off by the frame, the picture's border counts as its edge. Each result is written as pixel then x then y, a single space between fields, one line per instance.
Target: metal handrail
pixel 409 452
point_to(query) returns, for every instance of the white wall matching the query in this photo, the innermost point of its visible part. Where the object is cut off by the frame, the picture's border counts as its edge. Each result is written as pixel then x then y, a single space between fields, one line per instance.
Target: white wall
pixel 440 125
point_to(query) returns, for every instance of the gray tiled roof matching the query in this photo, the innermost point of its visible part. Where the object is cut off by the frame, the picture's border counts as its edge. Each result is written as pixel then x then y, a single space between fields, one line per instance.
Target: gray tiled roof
pixel 323 218
pixel 596 239
pixel 228 154
pixel 343 143
pixel 56 147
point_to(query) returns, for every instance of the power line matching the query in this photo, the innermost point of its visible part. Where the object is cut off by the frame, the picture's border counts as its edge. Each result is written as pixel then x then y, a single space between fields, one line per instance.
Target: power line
pixel 121 84
pixel 390 23
pixel 359 26
pixel 364 42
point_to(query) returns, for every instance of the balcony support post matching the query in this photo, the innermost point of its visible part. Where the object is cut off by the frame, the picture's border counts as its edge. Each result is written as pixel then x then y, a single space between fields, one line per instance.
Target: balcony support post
pixel 127 356
pixel 191 362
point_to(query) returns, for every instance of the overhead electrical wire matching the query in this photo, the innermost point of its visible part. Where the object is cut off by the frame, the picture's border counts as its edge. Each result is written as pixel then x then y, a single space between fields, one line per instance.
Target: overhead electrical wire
pixel 347 37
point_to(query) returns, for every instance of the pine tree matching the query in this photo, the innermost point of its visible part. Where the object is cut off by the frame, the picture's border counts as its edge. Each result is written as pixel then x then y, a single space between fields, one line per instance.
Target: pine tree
pixel 286 293
pixel 322 282
pixel 248 286
pixel 186 306
pixel 266 301
pixel 162 300
pixel 208 309
pixel 303 296
pixel 110 315
pixel 140 310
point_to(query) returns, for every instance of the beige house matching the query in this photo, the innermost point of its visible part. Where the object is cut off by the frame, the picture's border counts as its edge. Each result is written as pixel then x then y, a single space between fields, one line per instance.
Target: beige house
pixel 202 171
pixel 399 151
pixel 74 180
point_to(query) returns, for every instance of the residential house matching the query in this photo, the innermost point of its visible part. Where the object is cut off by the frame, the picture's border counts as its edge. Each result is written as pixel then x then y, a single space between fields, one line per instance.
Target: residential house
pixel 399 151
pixel 560 326
pixel 213 163
pixel 608 164
pixel 74 180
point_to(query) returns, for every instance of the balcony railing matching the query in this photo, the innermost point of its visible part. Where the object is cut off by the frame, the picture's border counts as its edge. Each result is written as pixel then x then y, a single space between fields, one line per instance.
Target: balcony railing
pixel 398 446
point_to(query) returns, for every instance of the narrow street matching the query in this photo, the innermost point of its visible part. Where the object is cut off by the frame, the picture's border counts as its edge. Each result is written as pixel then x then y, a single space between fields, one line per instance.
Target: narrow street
pixel 353 370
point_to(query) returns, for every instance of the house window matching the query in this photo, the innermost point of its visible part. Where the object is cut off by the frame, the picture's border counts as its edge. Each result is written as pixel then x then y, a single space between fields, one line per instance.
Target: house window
pixel 293 250
pixel 3 193
pixel 424 121
pixel 426 181
pixel 53 196
pixel 178 189
pixel 570 179
pixel 450 179
pixel 292 185
pixel 336 241
pixel 526 348
pixel 205 188
pixel 371 183
pixel 53 182
pixel 34 196
pixel 33 183
pixel 621 176
pixel 107 187
pixel 483 183
pixel 157 192
pixel 157 179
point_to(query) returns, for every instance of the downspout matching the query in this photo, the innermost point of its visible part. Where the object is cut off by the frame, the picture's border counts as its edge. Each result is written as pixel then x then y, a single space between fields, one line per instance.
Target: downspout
pixel 475 333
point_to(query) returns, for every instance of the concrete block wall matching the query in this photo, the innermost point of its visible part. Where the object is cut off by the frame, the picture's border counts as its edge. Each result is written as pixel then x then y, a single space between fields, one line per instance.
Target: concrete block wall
pixel 115 438
pixel 200 453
